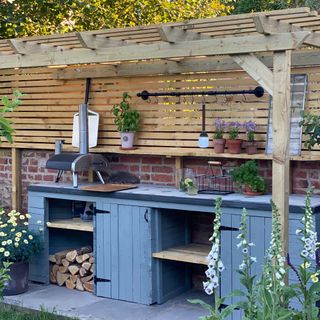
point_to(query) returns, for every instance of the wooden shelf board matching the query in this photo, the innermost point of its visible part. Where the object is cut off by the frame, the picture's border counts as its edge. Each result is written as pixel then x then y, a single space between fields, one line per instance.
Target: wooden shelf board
pixel 192 253
pixel 71 224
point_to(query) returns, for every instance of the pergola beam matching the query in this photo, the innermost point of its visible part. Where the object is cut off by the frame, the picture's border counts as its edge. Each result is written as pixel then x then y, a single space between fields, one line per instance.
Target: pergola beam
pixel 209 64
pixel 229 45
pixel 256 69
pixel 268 26
pixel 25 47
pixel 92 41
pixel 173 34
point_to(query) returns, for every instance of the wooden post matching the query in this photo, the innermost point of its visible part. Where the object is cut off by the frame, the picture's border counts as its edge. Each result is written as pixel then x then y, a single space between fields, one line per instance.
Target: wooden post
pixel 16 179
pixel 281 139
pixel 179 166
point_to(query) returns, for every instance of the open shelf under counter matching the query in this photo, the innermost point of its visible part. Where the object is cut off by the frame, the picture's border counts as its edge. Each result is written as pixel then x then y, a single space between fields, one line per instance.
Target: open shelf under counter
pixel 71 224
pixel 192 253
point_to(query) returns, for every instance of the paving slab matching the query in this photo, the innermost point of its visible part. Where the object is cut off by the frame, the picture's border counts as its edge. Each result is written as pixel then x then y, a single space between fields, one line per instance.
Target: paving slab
pixel 86 306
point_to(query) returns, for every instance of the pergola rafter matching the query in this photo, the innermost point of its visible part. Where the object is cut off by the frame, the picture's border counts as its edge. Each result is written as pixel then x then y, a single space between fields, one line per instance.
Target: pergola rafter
pixel 243 37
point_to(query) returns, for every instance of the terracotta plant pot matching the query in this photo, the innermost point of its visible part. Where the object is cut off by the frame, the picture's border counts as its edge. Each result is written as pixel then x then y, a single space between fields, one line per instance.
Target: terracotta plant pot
pixel 251 147
pixel 249 192
pixel 234 146
pixel 19 274
pixel 219 145
pixel 127 139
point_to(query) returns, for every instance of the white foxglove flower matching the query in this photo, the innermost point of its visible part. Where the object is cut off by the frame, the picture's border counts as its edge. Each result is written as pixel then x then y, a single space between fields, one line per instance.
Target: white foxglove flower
pixel 253 259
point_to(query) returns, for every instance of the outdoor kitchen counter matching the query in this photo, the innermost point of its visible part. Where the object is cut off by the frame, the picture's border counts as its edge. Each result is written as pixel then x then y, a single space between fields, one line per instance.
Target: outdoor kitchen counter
pixel 145 241
pixel 170 195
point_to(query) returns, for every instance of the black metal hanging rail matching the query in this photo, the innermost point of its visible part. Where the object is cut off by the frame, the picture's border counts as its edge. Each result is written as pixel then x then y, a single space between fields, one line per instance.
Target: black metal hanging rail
pixel 258 92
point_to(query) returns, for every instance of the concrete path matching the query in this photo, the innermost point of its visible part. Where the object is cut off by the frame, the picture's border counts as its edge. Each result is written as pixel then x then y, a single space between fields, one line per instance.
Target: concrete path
pixel 86 306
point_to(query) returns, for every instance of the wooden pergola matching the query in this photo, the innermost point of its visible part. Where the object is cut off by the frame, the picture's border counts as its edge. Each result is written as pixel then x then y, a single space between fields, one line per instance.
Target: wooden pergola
pixel 192 46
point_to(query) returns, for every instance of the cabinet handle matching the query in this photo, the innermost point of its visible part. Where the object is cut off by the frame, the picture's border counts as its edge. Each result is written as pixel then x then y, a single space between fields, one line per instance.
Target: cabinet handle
pixel 145 216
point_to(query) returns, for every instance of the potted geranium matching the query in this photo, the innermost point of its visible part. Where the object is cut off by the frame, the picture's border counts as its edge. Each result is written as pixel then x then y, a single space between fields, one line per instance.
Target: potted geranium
pixel 247 178
pixel 233 143
pixel 250 145
pixel 218 141
pixel 17 246
pixel 127 121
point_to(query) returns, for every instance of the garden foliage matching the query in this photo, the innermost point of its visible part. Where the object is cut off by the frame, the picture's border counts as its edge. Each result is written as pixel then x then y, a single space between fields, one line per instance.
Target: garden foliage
pixel 268 297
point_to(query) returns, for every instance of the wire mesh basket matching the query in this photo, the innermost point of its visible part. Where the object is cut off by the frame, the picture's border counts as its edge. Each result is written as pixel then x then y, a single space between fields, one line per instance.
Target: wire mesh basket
pixel 211 183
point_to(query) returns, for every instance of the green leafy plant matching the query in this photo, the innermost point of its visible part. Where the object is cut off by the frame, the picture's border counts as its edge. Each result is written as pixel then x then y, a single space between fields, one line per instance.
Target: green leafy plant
pixel 6 129
pixel 273 295
pixel 311 126
pixel 215 267
pixel 249 304
pixel 247 175
pixel 308 288
pixel 17 243
pixel 4 276
pixel 126 118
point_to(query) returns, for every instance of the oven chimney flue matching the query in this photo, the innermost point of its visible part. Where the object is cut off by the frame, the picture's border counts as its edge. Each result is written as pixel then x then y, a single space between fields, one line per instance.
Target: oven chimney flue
pixel 83 129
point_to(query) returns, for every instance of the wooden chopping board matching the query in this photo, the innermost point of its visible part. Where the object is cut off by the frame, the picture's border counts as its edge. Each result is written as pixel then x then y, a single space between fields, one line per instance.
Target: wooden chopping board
pixel 109 187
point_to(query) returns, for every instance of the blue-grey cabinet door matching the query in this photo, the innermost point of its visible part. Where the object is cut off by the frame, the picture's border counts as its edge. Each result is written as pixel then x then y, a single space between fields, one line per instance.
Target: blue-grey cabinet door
pixel 134 272
pixel 102 248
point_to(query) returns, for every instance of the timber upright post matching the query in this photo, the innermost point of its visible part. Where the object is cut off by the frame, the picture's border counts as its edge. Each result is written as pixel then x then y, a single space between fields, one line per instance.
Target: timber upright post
pixel 16 179
pixel 281 140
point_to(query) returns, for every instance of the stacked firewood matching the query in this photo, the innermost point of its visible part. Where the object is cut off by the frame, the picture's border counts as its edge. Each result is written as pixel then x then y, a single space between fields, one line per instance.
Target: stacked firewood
pixel 73 268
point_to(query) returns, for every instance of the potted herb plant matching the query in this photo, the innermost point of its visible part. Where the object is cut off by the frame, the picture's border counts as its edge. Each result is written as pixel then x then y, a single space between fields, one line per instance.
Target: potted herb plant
pixel 17 246
pixel 233 143
pixel 218 141
pixel 247 178
pixel 250 145
pixel 127 121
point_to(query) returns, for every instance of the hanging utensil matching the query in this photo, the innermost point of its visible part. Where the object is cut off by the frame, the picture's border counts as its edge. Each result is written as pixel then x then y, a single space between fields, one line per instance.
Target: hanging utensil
pixel 203 141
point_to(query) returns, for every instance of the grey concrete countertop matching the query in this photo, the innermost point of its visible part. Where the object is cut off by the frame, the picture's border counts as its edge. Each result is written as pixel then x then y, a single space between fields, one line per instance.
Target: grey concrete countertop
pixel 171 194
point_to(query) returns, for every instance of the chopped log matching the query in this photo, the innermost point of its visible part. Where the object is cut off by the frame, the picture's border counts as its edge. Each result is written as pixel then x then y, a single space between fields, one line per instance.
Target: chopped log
pixel 65 262
pixel 52 258
pixel 91 259
pixel 86 265
pixel 74 277
pixel 83 272
pixel 73 269
pixel 63 269
pixel 60 255
pixel 55 269
pixel 71 255
pixel 62 278
pixel 70 285
pixel 53 278
pixel 88 286
pixel 87 278
pixel 92 268
pixel 79 285
pixel 82 258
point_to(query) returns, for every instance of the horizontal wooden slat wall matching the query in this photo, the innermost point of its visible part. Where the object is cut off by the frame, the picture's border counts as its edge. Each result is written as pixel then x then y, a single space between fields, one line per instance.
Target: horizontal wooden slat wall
pixel 170 126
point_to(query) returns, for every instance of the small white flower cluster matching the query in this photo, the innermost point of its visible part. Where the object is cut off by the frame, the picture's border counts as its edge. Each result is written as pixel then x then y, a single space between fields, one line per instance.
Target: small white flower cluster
pixel 215 265
pixel 274 251
pixel 244 244
pixel 309 236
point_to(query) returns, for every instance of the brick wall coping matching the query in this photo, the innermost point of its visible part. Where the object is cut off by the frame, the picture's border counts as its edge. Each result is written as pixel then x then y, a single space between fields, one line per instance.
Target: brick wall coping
pixel 165 194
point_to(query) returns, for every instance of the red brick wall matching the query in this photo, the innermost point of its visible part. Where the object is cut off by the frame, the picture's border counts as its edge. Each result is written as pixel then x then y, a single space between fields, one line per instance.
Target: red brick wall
pixel 150 170
pixel 5 178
